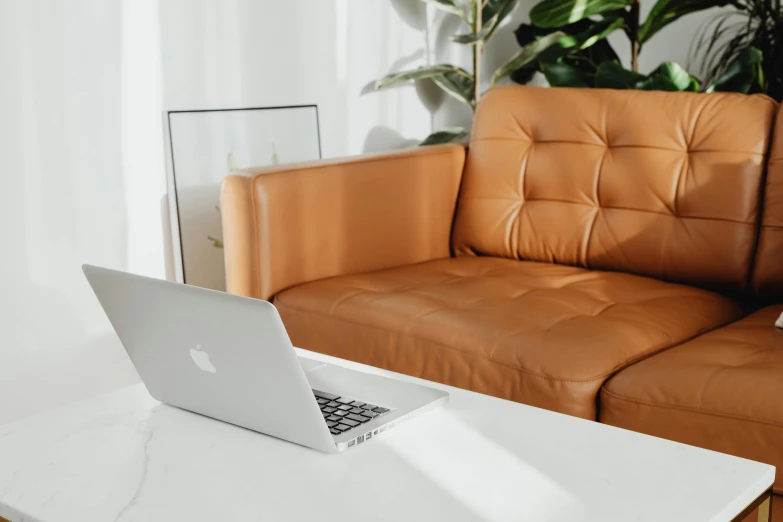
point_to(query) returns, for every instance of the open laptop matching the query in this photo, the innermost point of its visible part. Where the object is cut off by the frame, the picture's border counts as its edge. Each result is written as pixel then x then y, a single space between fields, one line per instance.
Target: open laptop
pixel 229 357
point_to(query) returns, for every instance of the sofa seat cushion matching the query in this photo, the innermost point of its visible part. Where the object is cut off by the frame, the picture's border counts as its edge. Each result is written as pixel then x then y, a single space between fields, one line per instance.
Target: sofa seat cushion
pixel 722 391
pixel 537 333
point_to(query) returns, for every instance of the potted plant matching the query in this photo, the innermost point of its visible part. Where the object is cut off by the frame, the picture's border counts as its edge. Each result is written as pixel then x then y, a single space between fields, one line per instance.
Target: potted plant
pixel 481 18
pixel 581 56
pixel 748 36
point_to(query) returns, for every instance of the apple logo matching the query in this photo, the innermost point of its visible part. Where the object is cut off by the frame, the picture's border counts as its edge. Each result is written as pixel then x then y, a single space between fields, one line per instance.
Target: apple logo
pixel 201 358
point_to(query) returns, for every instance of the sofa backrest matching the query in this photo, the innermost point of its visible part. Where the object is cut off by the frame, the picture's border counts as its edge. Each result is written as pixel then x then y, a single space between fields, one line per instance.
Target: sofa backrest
pixel 654 183
pixel 768 269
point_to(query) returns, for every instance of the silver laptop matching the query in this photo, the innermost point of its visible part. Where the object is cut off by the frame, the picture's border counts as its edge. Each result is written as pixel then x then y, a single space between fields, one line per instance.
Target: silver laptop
pixel 230 358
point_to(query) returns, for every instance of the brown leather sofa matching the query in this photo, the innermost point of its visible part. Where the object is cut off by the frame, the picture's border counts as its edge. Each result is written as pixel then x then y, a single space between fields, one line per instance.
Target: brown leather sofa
pixel 614 255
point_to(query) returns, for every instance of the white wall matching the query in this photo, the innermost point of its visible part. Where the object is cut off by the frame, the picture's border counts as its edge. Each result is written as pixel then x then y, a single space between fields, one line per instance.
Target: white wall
pixel 79 135
pixel 234 53
pixel 246 53
pixel 80 138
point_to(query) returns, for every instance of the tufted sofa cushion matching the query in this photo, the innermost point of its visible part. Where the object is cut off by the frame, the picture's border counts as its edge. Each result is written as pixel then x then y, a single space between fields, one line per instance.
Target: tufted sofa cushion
pixel 653 183
pixel 720 391
pixel 536 333
pixel 768 273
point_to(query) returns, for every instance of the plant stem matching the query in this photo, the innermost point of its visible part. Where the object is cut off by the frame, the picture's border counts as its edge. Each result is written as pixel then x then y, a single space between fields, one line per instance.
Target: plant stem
pixel 478 47
pixel 633 34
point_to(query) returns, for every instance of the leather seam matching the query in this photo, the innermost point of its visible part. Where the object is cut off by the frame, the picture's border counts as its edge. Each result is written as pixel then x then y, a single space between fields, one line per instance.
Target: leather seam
pixel 771 424
pixel 698 218
pixel 597 207
pixel 610 146
pixel 680 175
pixel 325 163
pixel 516 227
pixel 695 125
pixel 599 377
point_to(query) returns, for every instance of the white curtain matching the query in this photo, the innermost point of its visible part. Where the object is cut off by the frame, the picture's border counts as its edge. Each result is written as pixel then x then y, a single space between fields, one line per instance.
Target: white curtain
pixel 81 182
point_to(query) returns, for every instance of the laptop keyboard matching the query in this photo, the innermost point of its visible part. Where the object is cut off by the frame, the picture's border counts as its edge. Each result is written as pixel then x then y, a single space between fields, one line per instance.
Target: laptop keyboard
pixel 344 413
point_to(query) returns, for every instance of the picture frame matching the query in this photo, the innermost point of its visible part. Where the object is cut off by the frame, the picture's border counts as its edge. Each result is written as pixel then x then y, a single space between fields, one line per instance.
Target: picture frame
pixel 204 145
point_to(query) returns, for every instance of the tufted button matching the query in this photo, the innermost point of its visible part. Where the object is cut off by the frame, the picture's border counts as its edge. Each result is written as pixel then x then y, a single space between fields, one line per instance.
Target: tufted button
pixel 676 175
pixel 537 333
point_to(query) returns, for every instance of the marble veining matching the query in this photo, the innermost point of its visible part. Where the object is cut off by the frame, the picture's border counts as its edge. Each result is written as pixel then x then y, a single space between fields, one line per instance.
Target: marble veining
pixel 125 457
pixel 142 479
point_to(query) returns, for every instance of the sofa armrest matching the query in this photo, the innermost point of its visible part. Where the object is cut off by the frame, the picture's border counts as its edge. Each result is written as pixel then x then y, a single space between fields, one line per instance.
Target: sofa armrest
pixel 289 225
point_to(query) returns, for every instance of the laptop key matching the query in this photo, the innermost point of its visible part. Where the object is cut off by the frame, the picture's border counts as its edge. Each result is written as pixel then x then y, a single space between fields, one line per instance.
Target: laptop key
pixel 328 409
pixel 349 422
pixel 345 407
pixel 333 404
pixel 358 411
pixel 331 424
pixel 334 418
pixel 357 404
pixel 324 395
pixel 357 418
pixel 342 427
pixel 323 401
pixel 325 413
pixel 344 400
pixel 341 413
pixel 370 414
pixel 369 406
pixel 380 410
pixel 334 431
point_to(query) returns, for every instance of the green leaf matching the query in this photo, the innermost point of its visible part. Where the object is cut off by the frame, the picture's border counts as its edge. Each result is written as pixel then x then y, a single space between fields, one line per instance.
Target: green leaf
pixel 417 74
pixel 590 34
pixel 454 80
pixel 597 32
pixel 450 6
pixel 557 13
pixel 612 75
pixel 665 12
pixel 494 12
pixel 571 43
pixel 449 135
pixel 492 8
pixel 600 52
pixel 458 83
pixel 586 45
pixel 666 77
pixel 491 15
pixel 573 60
pixel 471 38
pixel 526 55
pixel 563 74
pixel 743 74
pixel 669 76
pixel 525 74
pixel 527 33
pixel 216 243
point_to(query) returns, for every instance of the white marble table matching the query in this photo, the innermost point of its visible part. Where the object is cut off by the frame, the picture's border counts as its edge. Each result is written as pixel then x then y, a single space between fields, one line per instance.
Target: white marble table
pixel 124 456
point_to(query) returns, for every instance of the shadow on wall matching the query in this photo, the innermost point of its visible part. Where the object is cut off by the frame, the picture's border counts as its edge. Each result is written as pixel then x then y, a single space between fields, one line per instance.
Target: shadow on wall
pixel 433 99
pixel 437 27
pixel 503 44
pixel 382 138
pixel 412 12
pixel 697 238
